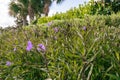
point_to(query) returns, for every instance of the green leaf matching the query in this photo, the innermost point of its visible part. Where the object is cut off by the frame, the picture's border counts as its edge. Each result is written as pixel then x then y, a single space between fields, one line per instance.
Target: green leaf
pixel 112 76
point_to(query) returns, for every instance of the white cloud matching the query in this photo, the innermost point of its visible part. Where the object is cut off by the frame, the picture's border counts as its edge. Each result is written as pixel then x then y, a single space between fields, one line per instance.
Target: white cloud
pixel 5 19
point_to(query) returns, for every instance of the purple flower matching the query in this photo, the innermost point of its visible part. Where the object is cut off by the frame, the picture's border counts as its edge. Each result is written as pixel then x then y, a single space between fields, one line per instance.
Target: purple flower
pixel 84 28
pixel 49 23
pixel 29 46
pixel 41 47
pixel 8 63
pixel 38 49
pixel 14 49
pixel 56 29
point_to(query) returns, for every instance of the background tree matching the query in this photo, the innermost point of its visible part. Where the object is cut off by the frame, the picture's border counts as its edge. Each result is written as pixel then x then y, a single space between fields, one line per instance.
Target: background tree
pixel 47 3
pixel 20 9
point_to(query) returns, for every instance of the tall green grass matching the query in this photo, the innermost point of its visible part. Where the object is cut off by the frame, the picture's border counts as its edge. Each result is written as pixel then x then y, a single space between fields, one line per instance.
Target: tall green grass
pixel 80 49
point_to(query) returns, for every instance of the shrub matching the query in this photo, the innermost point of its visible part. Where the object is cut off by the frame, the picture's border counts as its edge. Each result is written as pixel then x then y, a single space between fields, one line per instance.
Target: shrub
pixel 71 49
pixel 90 8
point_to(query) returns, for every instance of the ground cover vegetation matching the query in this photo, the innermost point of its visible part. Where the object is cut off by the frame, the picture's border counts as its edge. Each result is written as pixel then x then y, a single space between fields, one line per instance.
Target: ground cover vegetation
pixel 63 47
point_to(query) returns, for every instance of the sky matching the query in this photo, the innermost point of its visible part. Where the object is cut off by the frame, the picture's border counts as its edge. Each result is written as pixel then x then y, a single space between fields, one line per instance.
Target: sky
pixel 6 20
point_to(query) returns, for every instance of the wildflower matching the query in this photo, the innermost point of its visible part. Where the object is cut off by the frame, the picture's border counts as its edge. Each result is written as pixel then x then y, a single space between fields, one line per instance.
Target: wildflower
pixel 14 49
pixel 56 29
pixel 41 47
pixel 8 63
pixel 84 28
pixel 29 46
pixel 49 23
pixel 38 49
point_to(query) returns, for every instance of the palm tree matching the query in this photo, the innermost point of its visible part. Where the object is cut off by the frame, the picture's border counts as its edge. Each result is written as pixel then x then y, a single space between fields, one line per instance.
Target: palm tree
pixel 23 8
pixel 34 8
pixel 47 4
pixel 18 11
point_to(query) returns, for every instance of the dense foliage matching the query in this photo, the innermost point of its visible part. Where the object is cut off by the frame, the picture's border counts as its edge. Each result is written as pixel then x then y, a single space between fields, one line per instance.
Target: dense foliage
pixel 71 49
pixel 90 8
pixel 66 46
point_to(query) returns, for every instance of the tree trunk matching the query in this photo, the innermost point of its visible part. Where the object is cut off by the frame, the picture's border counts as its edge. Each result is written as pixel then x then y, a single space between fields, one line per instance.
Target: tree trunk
pixel 46 7
pixel 25 22
pixel 30 12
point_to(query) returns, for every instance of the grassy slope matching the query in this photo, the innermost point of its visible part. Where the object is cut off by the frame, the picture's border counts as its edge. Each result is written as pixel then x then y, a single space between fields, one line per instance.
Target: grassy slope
pixel 81 49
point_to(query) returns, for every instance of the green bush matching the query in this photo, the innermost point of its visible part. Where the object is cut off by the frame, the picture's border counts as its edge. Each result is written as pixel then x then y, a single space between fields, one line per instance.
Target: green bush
pixel 90 8
pixel 76 49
